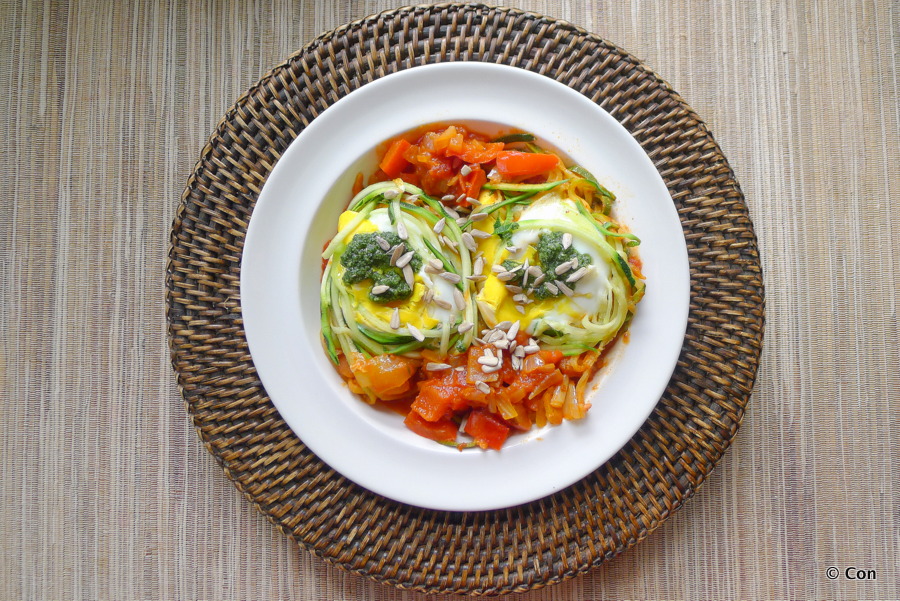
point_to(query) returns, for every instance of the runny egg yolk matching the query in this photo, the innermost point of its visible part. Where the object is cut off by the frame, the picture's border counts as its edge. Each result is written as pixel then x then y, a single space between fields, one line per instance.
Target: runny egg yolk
pixel 412 310
pixel 499 299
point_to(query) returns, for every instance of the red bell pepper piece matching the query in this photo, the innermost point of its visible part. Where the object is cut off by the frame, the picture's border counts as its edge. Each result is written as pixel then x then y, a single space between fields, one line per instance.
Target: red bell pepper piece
pixel 488 431
pixel 515 163
pixel 442 430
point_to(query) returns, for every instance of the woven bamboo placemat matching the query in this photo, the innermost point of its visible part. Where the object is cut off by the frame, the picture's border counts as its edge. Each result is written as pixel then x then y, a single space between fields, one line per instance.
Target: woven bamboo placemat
pixel 509 550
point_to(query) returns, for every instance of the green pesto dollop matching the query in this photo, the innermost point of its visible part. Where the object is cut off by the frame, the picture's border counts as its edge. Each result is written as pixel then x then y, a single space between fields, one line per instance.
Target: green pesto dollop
pixel 550 255
pixel 364 260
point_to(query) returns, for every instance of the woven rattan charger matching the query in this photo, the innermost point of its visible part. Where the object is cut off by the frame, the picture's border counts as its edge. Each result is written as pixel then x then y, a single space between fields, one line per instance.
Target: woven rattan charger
pixel 494 552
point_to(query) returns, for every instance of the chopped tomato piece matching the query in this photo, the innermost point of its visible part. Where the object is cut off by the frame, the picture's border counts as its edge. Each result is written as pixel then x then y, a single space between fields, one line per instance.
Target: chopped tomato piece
pixel 488 431
pixel 434 401
pixel 515 163
pixel 473 181
pixel 442 430
pixel 394 162
pixel 475 152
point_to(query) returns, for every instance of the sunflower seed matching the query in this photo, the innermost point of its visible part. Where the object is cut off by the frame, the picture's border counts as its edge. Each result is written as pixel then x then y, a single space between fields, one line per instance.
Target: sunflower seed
pixel 476 278
pixel 473 201
pixel 565 289
pixel 503 325
pixel 512 249
pixel 380 289
pixel 535 271
pixel 465 327
pixel 562 267
pixel 428 296
pixel 498 269
pixel 459 299
pixel 483 387
pixel 439 226
pixel 551 288
pixel 453 214
pixel 391 194
pixel 442 303
pixel 478 267
pixel 516 363
pixel 460 198
pixel 405 259
pixel 577 275
pixel 448 242
pixel 415 333
pixel 488 361
pixel 515 269
pixel 490 369
pixel 436 264
pixel 488 353
pixel 412 198
pixel 409 276
pixel 384 244
pixel 538 281
pixel 513 345
pixel 401 231
pixel 461 221
pixel 465 170
pixel 505 276
pixel 531 349
pixel 476 217
pixel 525 278
pixel 513 330
pixel 395 319
pixel 450 277
pixel 469 242
pixel 500 354
pixel 520 309
pixel 575 263
pixel 492 173
pixel 447 197
pixel 436 366
pixel 397 253
pixel 480 234
pixel 514 289
pixel 519 352
pixel 567 240
pixel 520 298
pixel 501 344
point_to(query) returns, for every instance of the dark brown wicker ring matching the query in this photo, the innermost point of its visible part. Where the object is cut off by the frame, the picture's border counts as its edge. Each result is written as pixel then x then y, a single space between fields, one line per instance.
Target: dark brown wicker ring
pixel 495 552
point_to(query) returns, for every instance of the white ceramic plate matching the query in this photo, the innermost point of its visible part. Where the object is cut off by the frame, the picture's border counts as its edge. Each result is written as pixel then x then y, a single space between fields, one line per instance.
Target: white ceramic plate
pixel 297 212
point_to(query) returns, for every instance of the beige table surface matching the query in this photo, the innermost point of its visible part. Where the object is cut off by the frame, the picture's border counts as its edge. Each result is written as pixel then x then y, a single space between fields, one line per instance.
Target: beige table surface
pixel 105 489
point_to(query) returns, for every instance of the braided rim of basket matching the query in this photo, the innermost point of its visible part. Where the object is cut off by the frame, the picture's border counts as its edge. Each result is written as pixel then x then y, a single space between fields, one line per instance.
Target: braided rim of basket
pixel 477 553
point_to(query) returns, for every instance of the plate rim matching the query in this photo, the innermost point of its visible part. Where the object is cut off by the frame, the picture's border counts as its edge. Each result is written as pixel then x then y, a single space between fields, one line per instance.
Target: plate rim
pixel 275 368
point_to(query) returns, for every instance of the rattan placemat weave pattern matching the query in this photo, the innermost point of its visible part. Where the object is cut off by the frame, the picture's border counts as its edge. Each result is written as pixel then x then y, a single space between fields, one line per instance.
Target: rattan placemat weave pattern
pixel 476 553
